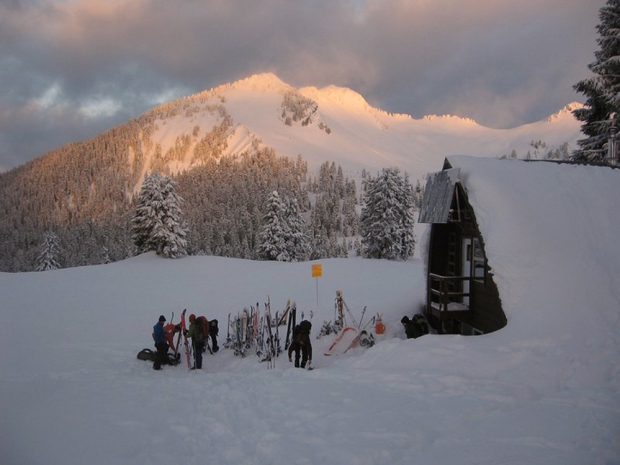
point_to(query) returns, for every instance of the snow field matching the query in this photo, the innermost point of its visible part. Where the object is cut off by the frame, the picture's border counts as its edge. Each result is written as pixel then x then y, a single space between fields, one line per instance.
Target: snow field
pixel 543 390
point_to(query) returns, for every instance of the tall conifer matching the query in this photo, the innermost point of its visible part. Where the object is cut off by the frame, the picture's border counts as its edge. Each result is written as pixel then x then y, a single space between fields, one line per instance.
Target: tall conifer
pixel 157 224
pixel 602 90
pixel 386 222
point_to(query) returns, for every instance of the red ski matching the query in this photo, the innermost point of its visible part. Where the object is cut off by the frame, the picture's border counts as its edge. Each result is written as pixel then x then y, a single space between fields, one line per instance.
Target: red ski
pixel 343 341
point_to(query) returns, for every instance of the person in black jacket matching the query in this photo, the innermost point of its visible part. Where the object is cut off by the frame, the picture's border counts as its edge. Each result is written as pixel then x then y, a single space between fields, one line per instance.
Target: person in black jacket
pixel 159 336
pixel 416 327
pixel 213 332
pixel 301 345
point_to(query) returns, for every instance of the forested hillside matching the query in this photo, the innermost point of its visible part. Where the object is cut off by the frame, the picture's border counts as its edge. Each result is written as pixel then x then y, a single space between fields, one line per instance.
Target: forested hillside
pixel 224 204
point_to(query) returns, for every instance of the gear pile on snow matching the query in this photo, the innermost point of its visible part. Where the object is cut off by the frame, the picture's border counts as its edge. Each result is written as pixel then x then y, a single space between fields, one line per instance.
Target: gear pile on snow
pixel 349 333
pixel 174 333
pixel 149 355
pixel 251 330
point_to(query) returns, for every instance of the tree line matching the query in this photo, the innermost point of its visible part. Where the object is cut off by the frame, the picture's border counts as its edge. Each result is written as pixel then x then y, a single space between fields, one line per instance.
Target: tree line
pixel 386 222
pixel 224 208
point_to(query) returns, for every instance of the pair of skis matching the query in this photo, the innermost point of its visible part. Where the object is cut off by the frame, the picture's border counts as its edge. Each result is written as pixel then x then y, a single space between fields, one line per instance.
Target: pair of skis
pixel 273 352
pixel 291 310
pixel 185 341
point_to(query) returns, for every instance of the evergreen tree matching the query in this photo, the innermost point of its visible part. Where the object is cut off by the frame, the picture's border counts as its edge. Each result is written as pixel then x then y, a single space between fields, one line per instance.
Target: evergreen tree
pixel 603 89
pixel 298 243
pixel 418 194
pixel 407 219
pixel 320 246
pixel 157 223
pixel 49 254
pixel 386 222
pixel 105 255
pixel 274 235
pixel 282 236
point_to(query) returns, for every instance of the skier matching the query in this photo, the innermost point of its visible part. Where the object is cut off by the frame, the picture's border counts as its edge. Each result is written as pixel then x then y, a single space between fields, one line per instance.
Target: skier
pixel 197 333
pixel 159 336
pixel 301 344
pixel 213 332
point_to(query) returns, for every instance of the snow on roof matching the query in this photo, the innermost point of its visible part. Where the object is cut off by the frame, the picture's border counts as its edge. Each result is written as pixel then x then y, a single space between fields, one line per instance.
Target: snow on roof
pixel 438 196
pixel 551 235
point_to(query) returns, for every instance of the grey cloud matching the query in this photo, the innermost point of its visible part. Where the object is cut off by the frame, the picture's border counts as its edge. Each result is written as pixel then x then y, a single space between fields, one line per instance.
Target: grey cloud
pixel 498 61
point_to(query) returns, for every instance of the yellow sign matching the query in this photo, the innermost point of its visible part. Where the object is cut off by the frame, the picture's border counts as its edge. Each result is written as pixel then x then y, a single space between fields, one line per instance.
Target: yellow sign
pixel 317 270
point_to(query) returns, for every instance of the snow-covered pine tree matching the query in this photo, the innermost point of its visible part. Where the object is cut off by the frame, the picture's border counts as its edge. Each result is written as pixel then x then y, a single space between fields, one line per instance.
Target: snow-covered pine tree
pixel 298 242
pixel 320 246
pixel 602 90
pixel 50 253
pixel 274 234
pixel 418 194
pixel 386 222
pixel 157 224
pixel 407 219
pixel 105 255
pixel 349 215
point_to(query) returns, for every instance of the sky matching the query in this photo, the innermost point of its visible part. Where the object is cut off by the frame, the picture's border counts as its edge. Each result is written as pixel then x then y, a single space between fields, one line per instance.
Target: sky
pixel 70 69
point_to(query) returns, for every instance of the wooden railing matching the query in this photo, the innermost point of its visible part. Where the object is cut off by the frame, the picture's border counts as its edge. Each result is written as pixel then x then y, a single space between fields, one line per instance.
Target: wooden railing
pixel 442 297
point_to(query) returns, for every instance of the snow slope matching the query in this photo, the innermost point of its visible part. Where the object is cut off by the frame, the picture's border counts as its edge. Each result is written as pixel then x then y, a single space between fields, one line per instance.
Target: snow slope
pixel 543 390
pixel 344 129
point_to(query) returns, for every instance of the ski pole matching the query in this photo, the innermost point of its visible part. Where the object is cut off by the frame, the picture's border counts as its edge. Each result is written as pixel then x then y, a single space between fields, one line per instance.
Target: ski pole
pixel 362 318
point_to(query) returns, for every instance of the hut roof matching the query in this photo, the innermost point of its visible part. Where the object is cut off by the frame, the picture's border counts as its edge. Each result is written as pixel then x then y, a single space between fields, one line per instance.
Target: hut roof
pixel 551 235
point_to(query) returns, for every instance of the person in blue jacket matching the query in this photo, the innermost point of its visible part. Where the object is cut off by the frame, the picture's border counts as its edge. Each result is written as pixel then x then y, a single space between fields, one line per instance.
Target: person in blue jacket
pixel 159 336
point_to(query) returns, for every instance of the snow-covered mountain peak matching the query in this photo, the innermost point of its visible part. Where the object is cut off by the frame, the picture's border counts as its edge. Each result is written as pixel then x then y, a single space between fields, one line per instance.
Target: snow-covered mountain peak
pixel 565 113
pixel 262 82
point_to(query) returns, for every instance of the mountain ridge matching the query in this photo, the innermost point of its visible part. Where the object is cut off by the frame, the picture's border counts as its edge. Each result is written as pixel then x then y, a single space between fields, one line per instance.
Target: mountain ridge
pixel 251 108
pixel 87 188
pixel 347 124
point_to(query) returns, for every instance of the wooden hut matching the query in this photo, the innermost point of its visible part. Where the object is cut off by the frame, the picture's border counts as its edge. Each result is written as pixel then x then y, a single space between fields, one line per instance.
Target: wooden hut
pixel 461 295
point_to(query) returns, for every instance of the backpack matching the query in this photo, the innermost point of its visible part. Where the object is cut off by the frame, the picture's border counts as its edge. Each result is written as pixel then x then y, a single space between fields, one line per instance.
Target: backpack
pixel 149 355
pixel 301 332
pixel 204 325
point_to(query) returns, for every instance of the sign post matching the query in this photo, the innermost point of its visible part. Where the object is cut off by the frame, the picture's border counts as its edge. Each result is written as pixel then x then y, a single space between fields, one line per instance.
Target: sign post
pixel 317 272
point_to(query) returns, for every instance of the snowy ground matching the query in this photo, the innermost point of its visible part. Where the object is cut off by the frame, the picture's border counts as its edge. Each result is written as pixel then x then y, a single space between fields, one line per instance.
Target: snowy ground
pixel 73 392
pixel 543 390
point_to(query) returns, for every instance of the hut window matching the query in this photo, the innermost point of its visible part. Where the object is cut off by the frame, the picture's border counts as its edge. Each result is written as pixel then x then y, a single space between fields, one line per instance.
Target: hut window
pixel 479 262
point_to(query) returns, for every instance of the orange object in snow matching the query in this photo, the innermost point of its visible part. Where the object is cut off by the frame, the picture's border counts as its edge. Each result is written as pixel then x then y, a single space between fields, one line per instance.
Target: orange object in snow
pixel 379 326
pixel 169 331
